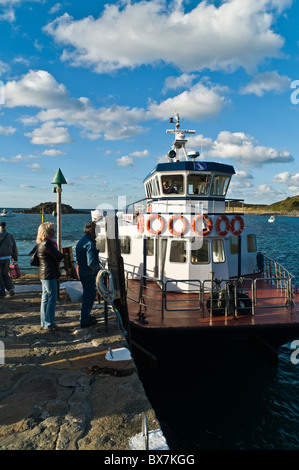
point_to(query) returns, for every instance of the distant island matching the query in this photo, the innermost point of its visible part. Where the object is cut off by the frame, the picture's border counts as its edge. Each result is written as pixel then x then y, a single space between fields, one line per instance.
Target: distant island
pixel 50 207
pixel 289 206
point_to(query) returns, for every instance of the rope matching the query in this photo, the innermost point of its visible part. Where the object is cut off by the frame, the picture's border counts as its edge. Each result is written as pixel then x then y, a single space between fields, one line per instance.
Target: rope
pixel 106 291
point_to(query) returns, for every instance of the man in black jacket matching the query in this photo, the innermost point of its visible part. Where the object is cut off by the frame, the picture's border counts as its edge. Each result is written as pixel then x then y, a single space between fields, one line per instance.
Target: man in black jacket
pixel 89 266
pixel 8 248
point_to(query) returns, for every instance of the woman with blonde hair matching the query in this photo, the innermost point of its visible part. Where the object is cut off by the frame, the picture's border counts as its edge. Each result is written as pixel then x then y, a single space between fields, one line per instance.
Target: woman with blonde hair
pixel 49 258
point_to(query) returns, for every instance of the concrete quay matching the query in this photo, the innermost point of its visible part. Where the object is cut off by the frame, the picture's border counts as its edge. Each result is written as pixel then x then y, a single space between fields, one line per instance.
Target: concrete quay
pixel 58 389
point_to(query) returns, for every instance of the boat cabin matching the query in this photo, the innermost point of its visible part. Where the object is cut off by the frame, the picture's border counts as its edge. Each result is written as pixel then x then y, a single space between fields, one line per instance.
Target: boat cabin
pixel 185 229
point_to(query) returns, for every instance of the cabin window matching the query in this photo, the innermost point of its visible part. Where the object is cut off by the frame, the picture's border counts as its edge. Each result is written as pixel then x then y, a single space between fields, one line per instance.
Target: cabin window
pixel 233 244
pixel 218 251
pixel 101 243
pixel 251 243
pixel 198 184
pixel 125 245
pixel 201 255
pixel 220 185
pixel 172 184
pixel 149 247
pixel 178 251
pixel 149 189
pixel 157 185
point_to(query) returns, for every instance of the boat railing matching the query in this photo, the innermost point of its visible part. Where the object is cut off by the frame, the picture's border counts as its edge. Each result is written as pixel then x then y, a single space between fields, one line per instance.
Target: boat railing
pixel 275 271
pixel 211 297
pixel 190 302
pixel 148 294
pixel 284 292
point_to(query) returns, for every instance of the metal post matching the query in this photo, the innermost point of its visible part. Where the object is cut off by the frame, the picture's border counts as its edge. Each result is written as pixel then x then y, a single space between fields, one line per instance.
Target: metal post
pixel 58 210
pixel 59 179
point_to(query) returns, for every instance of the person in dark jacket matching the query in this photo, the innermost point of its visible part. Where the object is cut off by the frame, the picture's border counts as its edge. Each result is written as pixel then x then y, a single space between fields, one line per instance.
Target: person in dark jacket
pixel 49 258
pixel 8 248
pixel 88 261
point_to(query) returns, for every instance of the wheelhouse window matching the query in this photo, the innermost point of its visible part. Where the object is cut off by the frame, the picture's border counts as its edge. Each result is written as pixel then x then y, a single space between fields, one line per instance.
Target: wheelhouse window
pixel 149 189
pixel 198 184
pixel 201 255
pixel 172 184
pixel 101 243
pixel 218 251
pixel 251 243
pixel 125 245
pixel 178 251
pixel 219 185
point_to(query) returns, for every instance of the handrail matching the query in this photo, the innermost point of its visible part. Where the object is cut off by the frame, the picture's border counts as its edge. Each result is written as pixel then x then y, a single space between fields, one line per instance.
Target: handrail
pixel 235 295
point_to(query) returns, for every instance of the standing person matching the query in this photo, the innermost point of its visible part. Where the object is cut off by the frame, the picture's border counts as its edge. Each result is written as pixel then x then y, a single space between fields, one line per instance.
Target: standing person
pixel 8 248
pixel 49 258
pixel 89 266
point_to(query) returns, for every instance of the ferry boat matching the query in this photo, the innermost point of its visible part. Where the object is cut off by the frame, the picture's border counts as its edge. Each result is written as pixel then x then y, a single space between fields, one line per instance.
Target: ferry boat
pixel 194 275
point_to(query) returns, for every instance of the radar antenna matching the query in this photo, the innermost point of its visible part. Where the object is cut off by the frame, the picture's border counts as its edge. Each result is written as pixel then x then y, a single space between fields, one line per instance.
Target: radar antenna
pixel 179 141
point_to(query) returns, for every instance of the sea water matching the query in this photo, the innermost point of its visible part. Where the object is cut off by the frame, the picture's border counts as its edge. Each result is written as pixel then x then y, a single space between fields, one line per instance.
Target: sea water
pixel 250 407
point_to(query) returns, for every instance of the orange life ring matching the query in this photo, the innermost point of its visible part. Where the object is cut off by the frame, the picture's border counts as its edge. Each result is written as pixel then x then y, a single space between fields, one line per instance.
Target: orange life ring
pixel 148 224
pixel 232 224
pixel 171 221
pixel 208 227
pixel 140 223
pixel 224 232
pixel 149 208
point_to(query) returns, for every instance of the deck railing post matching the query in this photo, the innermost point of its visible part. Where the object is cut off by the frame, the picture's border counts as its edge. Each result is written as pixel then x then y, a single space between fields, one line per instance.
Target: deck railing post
pixel 211 305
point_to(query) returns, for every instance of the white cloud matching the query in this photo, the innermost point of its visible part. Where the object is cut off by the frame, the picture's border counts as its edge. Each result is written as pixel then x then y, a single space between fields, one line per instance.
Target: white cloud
pixel 55 8
pixel 53 152
pixel 265 82
pixel 183 81
pixel 49 134
pixel 37 89
pixel 7 130
pixel 125 161
pixel 3 68
pixel 27 186
pixel 34 166
pixel 140 153
pixel 198 103
pixel 286 178
pixel 243 149
pixel 40 89
pixel 237 33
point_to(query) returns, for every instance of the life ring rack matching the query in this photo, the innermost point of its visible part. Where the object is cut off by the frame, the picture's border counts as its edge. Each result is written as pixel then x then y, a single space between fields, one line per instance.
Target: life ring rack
pixel 208 227
pixel 224 232
pixel 171 221
pixel 232 225
pixel 155 217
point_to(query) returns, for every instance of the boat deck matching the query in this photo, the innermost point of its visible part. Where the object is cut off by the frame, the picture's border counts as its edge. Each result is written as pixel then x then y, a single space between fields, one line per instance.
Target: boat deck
pixel 185 310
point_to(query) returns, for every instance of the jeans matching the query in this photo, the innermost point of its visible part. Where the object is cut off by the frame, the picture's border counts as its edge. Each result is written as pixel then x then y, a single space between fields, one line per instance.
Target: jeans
pixel 48 303
pixel 89 295
pixel 5 280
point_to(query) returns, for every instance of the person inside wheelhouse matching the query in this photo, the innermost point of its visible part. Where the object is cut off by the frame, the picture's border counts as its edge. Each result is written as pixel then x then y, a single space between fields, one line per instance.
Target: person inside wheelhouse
pixel 168 189
pixel 172 184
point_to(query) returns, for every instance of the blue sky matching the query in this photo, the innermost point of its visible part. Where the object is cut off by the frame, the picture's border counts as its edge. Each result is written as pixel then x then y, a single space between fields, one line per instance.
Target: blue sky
pixel 89 87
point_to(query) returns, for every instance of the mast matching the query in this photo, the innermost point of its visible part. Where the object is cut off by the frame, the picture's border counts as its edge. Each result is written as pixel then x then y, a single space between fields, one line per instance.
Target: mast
pixel 179 141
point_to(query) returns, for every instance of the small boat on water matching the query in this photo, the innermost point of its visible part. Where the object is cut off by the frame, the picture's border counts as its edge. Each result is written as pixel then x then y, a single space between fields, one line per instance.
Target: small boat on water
pixel 6 213
pixel 194 276
pixel 271 219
